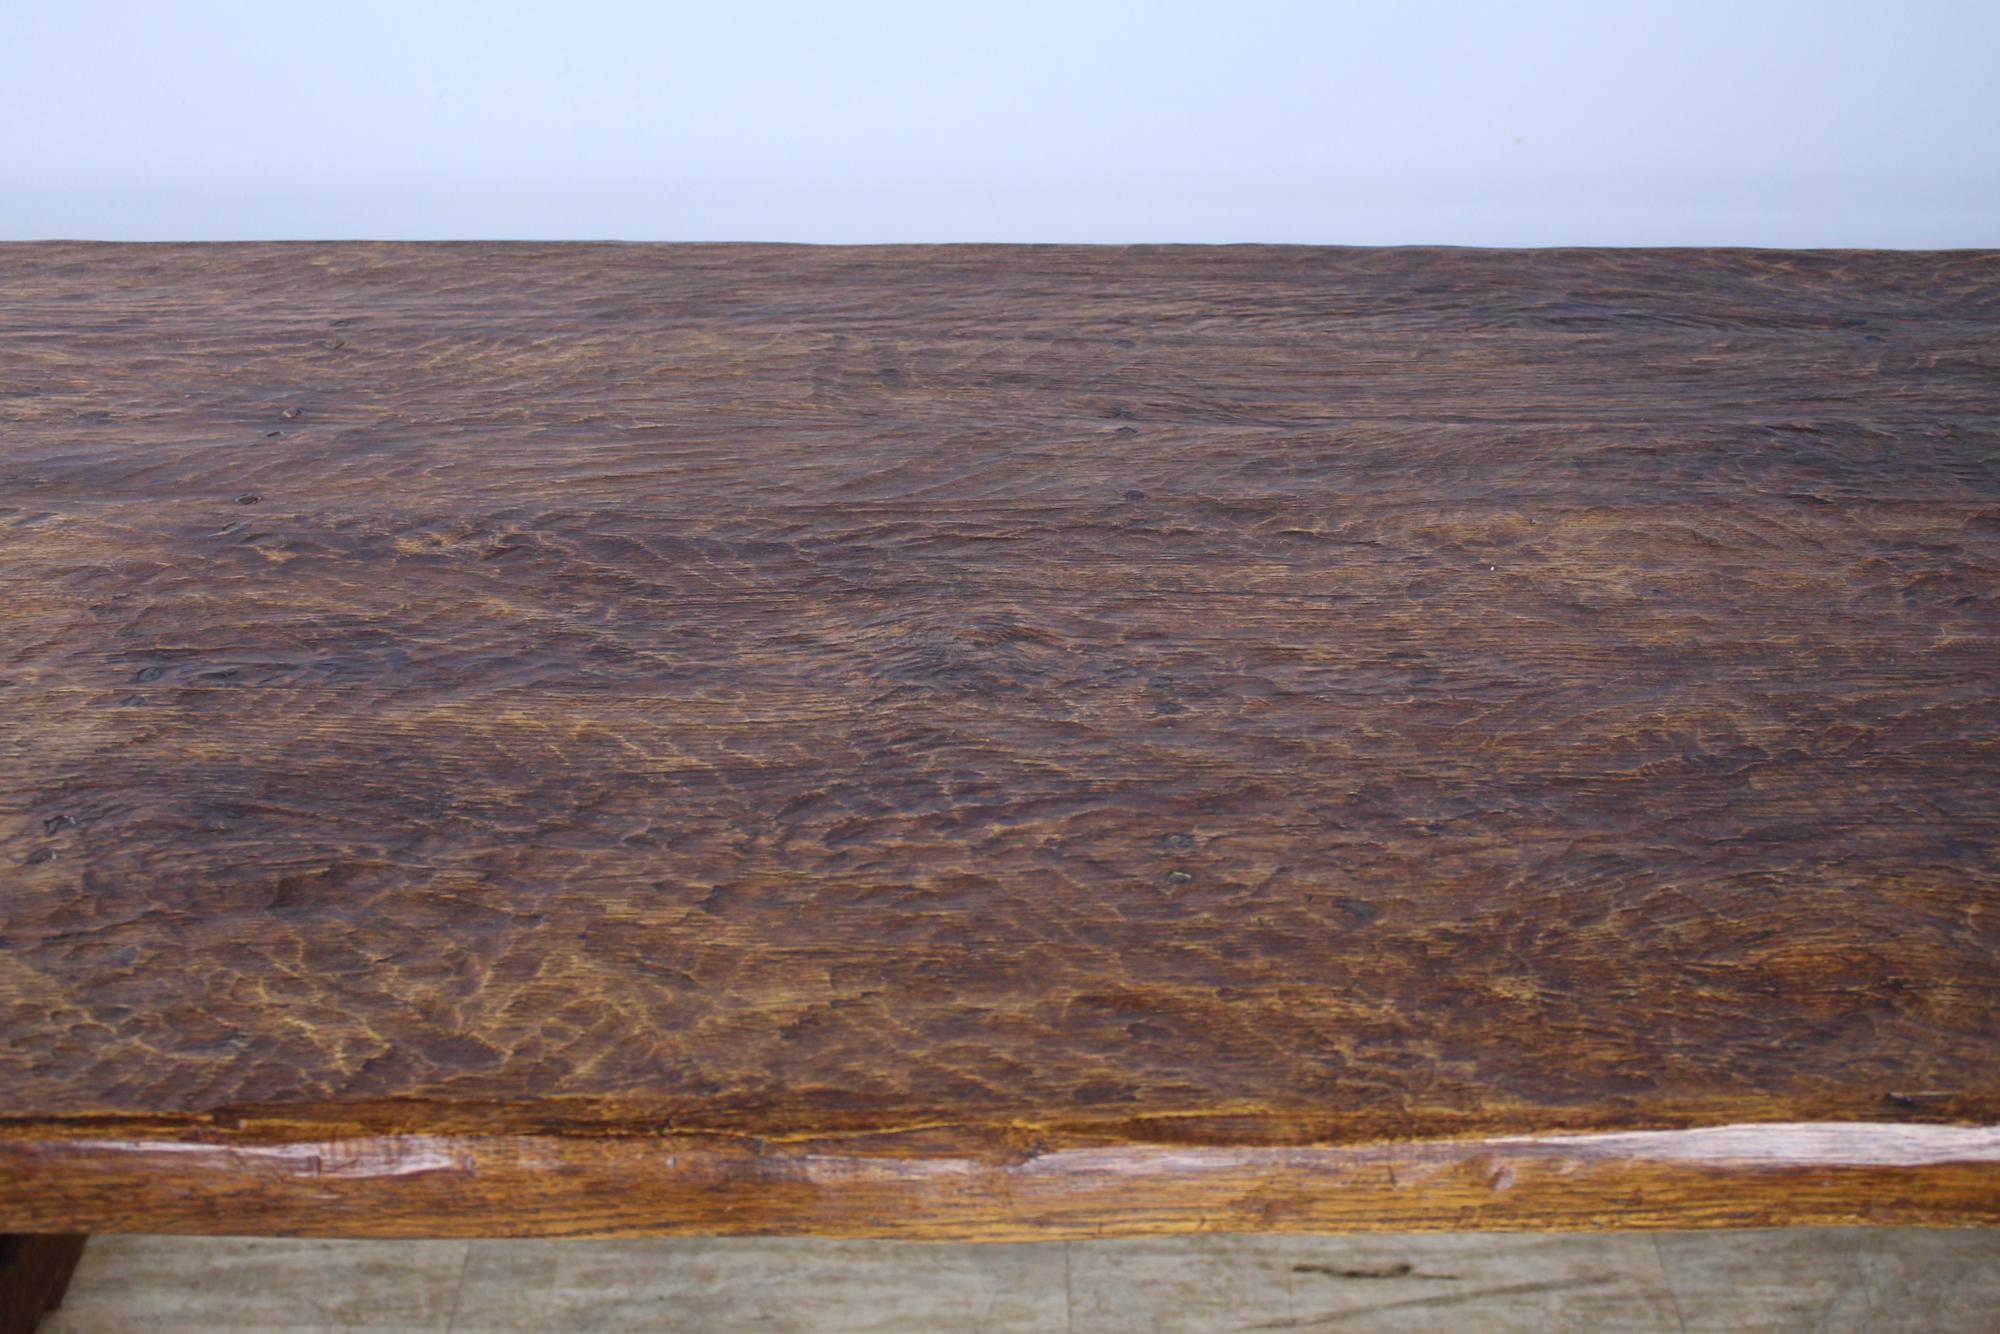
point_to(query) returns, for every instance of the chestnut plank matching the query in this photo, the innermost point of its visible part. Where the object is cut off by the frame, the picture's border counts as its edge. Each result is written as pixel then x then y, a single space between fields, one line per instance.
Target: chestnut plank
pixel 994 741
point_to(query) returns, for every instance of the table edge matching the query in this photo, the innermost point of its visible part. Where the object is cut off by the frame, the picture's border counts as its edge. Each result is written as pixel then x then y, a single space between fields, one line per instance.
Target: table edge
pixel 1746 1175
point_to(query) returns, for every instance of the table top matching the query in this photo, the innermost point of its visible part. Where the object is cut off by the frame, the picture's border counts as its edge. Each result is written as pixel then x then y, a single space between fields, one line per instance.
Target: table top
pixel 996 740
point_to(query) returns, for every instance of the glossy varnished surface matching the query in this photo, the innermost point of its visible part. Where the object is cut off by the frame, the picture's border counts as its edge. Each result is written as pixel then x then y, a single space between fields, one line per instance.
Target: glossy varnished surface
pixel 1043 700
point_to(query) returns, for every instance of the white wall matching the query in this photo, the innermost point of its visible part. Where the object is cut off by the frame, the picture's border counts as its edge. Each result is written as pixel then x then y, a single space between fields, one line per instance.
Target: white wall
pixel 1788 122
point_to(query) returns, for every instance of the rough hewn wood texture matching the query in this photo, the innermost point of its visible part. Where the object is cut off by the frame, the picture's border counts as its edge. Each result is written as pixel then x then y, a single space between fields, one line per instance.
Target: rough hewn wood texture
pixel 971 741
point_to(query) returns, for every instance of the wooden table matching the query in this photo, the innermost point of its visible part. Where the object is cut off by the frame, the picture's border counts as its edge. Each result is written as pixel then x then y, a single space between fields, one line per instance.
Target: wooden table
pixel 996 742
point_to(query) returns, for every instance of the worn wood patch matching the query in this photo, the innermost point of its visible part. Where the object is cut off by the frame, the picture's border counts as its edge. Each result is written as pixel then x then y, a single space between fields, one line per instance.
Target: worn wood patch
pixel 635 699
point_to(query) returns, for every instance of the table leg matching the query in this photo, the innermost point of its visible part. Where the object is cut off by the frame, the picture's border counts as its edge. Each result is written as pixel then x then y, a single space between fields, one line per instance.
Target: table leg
pixel 34 1271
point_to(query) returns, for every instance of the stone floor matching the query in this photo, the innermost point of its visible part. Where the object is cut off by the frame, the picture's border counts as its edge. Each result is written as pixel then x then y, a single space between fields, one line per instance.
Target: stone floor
pixel 1807 1279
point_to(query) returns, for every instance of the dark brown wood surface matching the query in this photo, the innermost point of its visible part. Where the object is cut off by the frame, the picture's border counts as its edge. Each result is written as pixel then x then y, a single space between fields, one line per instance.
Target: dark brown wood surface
pixel 34 1274
pixel 979 741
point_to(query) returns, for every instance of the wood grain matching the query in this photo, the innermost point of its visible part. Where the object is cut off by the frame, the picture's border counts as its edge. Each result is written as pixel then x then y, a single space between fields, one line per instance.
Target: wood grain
pixel 624 708
pixel 957 1185
pixel 34 1273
